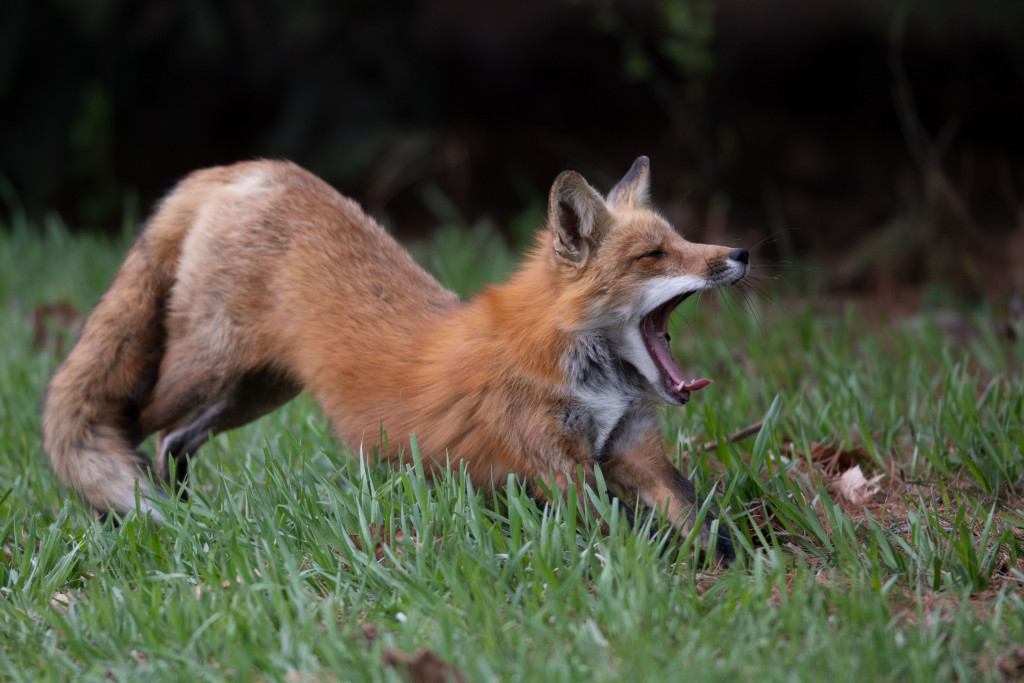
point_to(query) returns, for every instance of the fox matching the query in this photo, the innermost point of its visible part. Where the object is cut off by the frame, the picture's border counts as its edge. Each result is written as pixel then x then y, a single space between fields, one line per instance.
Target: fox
pixel 252 282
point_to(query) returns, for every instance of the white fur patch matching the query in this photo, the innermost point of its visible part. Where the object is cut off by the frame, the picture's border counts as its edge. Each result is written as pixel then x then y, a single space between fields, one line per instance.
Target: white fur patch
pixel 657 291
pixel 251 183
pixel 636 425
pixel 632 348
pixel 603 389
pixel 607 406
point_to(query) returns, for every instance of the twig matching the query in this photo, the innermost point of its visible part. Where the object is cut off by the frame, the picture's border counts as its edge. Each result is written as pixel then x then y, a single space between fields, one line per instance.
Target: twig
pixel 736 436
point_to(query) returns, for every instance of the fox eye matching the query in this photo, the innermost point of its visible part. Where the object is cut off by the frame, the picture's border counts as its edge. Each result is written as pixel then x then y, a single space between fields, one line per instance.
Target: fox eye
pixel 654 253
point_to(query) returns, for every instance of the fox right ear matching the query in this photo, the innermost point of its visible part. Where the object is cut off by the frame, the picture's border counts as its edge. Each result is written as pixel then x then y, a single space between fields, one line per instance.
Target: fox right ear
pixel 577 217
pixel 633 188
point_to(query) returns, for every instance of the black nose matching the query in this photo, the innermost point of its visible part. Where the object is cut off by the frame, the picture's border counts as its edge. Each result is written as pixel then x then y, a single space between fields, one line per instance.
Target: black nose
pixel 741 255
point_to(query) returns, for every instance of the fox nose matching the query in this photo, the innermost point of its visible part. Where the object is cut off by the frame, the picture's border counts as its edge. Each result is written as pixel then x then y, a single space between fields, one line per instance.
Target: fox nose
pixel 741 255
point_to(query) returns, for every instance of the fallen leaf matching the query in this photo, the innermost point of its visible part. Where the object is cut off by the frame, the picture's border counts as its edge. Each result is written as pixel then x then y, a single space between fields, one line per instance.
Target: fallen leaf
pixel 61 601
pixel 423 667
pixel 44 334
pixel 308 676
pixel 380 545
pixel 855 488
pixel 834 459
pixel 1012 664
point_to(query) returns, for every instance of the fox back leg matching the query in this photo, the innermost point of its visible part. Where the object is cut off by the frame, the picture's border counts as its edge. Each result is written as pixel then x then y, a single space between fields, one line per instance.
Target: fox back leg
pixel 185 414
pixel 208 383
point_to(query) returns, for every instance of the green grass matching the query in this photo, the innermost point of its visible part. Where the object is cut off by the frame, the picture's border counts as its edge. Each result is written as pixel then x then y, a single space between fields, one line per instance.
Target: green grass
pixel 290 547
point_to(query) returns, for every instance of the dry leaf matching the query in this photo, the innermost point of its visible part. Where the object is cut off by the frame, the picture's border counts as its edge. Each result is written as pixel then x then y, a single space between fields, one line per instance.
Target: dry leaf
pixel 1012 664
pixel 44 334
pixel 423 667
pixel 834 459
pixel 61 601
pixel 380 546
pixel 314 676
pixel 855 488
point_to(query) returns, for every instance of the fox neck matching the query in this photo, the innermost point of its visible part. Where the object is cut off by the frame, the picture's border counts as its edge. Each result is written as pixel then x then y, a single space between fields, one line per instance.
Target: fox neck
pixel 602 387
pixel 539 320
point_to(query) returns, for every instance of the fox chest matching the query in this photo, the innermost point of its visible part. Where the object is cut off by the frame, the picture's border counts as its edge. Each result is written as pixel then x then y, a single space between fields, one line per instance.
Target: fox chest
pixel 606 394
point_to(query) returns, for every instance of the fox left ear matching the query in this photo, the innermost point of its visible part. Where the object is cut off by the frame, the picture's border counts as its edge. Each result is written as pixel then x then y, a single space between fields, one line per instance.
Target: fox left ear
pixel 577 217
pixel 632 189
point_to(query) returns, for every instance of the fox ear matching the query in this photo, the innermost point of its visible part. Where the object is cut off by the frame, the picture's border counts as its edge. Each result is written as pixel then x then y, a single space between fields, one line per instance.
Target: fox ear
pixel 632 189
pixel 577 217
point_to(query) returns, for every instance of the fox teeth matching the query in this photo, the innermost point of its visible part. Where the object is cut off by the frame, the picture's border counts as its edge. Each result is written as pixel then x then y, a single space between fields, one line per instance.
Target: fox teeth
pixel 679 387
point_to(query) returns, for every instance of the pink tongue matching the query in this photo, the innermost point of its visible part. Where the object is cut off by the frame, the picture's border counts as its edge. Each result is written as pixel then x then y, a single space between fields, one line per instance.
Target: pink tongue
pixel 659 348
pixel 693 386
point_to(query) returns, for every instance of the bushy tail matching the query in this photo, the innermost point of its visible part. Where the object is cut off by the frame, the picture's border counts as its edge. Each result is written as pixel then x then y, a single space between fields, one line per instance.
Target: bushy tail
pixel 90 421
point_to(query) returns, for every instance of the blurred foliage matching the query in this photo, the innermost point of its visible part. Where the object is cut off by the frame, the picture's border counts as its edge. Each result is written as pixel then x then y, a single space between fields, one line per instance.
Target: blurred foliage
pixel 101 98
pixel 683 38
pixel 759 117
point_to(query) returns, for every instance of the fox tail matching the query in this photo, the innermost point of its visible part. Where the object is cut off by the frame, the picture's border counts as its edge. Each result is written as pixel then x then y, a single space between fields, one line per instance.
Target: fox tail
pixel 90 421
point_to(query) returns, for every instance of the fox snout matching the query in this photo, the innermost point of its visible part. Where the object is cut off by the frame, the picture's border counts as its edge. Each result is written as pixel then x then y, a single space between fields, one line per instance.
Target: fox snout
pixel 730 270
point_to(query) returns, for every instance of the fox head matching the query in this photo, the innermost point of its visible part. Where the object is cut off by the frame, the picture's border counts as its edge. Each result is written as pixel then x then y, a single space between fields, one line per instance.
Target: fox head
pixel 625 269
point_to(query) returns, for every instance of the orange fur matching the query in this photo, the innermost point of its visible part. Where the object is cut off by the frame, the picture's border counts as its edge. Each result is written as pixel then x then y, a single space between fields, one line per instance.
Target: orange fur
pixel 254 281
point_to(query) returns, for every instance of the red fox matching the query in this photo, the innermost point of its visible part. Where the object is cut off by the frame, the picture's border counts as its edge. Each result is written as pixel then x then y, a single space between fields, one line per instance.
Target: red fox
pixel 254 281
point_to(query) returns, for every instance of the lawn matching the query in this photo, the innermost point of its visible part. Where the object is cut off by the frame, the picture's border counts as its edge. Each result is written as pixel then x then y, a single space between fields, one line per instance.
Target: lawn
pixel 878 510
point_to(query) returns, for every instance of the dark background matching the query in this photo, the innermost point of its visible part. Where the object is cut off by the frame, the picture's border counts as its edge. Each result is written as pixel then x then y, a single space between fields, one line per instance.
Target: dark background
pixel 880 141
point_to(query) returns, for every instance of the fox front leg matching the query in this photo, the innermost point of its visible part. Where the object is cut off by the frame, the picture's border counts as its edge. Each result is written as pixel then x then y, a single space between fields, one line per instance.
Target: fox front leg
pixel 644 470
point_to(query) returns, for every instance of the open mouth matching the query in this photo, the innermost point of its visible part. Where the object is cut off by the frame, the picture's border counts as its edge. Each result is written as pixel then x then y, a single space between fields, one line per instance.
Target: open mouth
pixel 654 330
